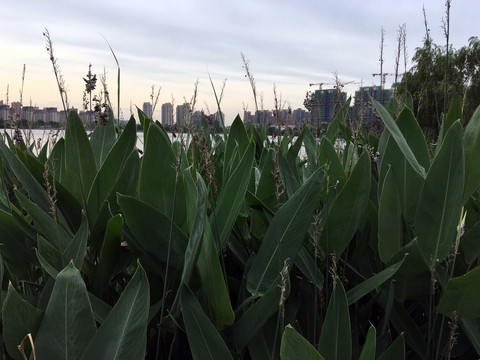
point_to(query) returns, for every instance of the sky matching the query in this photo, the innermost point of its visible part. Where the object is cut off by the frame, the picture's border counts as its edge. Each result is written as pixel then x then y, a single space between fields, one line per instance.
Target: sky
pixel 173 44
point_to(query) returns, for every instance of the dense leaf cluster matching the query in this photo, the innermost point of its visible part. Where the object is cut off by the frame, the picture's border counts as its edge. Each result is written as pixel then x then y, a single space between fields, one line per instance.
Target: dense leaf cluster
pixel 242 246
pixel 436 77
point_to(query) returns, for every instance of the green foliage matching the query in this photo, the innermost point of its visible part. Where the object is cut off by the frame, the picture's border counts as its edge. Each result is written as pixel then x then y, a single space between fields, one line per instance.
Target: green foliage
pixel 426 82
pixel 249 248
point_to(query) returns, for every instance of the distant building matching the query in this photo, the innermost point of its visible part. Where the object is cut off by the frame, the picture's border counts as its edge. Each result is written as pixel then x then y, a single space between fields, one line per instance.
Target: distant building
pixel 39 115
pixel 363 110
pixel 263 117
pixel 197 117
pixel 4 112
pixel 219 118
pixel 87 117
pixel 326 104
pixel 147 109
pixel 167 114
pixel 183 114
pixel 15 107
pixel 299 117
pixel 51 115
pixel 28 113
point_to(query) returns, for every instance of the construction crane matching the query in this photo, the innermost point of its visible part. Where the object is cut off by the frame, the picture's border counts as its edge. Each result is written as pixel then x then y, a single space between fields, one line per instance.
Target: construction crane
pixel 341 85
pixel 320 84
pixel 383 75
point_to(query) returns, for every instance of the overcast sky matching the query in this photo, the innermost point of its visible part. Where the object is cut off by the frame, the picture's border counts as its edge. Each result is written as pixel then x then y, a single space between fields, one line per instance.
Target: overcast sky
pixel 172 43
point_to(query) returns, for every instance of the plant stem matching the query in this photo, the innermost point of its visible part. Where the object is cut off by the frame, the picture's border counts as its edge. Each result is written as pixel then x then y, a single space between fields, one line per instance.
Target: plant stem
pixel 168 259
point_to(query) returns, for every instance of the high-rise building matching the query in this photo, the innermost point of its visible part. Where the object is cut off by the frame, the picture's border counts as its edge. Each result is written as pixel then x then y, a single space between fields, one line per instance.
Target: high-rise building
pixel 326 104
pixel 299 116
pixel 51 115
pixel 15 107
pixel 167 114
pixel 4 112
pixel 183 114
pixel 147 109
pixel 27 113
pixel 363 110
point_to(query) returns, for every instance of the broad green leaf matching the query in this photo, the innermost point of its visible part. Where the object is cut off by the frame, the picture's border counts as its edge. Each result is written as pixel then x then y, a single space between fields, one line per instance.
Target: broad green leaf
pixel 45 224
pixel 191 196
pixel 79 159
pixel 294 346
pixel 462 295
pixel 111 168
pixel 126 184
pixel 287 168
pixel 145 122
pixel 194 243
pixel 43 153
pixel 68 325
pixel 204 340
pixel 159 186
pixel 408 100
pixel 399 138
pixel 109 254
pixel 471 143
pixel 151 230
pixel 23 178
pixel 412 280
pixel 390 222
pixel 123 334
pixel 406 325
pixel 311 149
pixel 328 157
pixel 259 348
pixel 306 263
pixel 213 281
pixel 348 156
pixel 231 198
pixel 336 338
pixel 469 244
pixel 334 127
pixel 100 308
pixel 49 257
pixel 392 106
pixel 12 243
pixel 396 351
pixel 255 317
pixel 284 236
pixel 76 249
pixel 372 283
pixel 266 184
pixel 440 201
pixel 19 318
pixel 238 141
pixel 56 162
pixel 102 139
pixel 454 112
pixel 368 350
pixel 408 182
pixel 471 328
pixel 292 153
pixel 347 209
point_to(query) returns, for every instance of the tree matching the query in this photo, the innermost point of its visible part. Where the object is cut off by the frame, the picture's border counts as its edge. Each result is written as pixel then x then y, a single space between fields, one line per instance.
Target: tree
pixel 426 80
pixel 467 60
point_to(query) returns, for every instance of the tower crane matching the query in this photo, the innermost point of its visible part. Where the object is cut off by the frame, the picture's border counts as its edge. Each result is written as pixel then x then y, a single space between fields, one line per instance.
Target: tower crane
pixel 383 75
pixel 320 84
pixel 341 85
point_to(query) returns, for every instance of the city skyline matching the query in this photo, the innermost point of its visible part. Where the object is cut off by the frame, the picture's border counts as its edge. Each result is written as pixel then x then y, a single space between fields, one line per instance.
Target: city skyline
pixel 288 45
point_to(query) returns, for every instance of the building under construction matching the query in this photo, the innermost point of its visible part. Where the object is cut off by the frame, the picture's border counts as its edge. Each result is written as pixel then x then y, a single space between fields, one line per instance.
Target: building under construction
pixel 363 110
pixel 325 104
